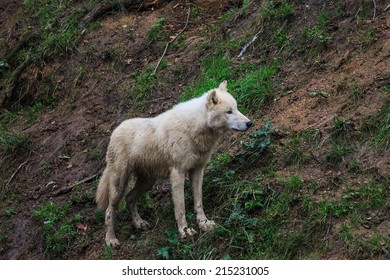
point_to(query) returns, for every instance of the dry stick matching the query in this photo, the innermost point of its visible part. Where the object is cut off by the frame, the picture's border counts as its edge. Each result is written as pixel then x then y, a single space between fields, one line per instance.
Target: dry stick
pixel 13 175
pixel 68 189
pixel 167 45
pixel 373 17
pixel 247 45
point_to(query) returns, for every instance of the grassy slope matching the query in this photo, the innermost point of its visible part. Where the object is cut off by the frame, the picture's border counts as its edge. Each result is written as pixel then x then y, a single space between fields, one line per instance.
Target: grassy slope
pixel 283 194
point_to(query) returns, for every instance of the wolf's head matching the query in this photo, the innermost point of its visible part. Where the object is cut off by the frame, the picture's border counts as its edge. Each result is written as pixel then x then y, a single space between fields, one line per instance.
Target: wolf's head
pixel 222 112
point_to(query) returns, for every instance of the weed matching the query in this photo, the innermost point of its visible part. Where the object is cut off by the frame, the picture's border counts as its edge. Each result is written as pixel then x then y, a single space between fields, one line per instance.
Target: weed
pixel 340 127
pixel 256 88
pixel 107 253
pixel 294 153
pixel 144 83
pixel 177 249
pixel 57 28
pixel 157 31
pixel 58 230
pixel 12 140
pixel 294 183
pixel 9 212
pixel 277 10
pixel 261 141
pixel 47 168
pixel 378 129
pixel 85 198
pixel 318 35
pixel 96 153
pixel 32 111
pixel 337 153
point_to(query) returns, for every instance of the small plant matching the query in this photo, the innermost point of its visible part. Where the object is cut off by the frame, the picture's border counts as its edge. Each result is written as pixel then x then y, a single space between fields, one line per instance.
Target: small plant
pixel 97 153
pixel 59 232
pixel 157 31
pixel 107 253
pixel 10 141
pixel 177 249
pixel 9 212
pixel 336 154
pixel 256 88
pixel 294 153
pixel 277 9
pixel 261 141
pixel 341 127
pixel 318 35
pixel 144 83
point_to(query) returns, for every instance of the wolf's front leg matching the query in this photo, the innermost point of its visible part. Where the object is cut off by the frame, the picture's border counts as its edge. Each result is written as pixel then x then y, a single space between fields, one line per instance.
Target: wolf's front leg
pixel 177 181
pixel 196 177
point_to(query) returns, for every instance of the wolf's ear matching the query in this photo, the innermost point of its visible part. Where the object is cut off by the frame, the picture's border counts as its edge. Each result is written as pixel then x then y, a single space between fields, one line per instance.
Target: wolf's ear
pixel 223 86
pixel 212 98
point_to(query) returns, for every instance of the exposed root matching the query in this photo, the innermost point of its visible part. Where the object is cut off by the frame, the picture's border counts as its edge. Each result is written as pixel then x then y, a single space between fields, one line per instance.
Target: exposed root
pixel 6 94
pixel 68 189
pixel 107 6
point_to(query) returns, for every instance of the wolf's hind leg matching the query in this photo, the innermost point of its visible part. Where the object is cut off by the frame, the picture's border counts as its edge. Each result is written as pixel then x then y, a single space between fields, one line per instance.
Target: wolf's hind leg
pixel 117 187
pixel 142 184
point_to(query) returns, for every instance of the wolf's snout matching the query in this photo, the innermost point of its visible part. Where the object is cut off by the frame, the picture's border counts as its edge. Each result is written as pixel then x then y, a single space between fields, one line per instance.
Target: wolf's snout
pixel 249 124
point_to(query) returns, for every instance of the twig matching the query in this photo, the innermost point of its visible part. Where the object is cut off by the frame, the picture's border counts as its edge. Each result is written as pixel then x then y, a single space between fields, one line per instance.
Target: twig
pixel 68 189
pixel 373 17
pixel 388 6
pixel 159 99
pixel 14 174
pixel 247 45
pixel 171 41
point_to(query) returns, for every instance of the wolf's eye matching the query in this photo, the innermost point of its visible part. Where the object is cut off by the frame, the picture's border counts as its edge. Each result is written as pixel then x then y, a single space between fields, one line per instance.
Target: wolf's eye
pixel 230 111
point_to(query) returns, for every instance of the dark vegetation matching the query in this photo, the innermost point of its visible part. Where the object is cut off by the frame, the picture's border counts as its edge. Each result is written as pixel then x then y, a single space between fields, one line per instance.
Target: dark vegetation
pixel 309 181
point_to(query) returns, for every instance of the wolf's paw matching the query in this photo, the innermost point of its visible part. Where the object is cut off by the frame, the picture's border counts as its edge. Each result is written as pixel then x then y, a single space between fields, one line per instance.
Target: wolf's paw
pixel 112 241
pixel 187 232
pixel 141 224
pixel 206 225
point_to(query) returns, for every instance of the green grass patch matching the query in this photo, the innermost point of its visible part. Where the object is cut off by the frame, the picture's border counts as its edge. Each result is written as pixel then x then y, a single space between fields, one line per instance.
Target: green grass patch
pixel 251 86
pixel 157 31
pixel 57 30
pixel 377 129
pixel 276 9
pixel 318 35
pixel 12 140
pixel 59 230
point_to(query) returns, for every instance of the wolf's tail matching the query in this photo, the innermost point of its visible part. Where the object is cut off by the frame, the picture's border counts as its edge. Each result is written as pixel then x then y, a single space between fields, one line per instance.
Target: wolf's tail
pixel 103 190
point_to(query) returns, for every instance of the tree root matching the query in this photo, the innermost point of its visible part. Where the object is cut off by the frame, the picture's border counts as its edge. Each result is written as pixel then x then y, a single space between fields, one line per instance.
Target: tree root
pixel 107 6
pixel 7 93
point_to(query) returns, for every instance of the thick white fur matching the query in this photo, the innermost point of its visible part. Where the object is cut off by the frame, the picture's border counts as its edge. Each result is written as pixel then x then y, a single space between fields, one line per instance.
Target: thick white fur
pixel 174 143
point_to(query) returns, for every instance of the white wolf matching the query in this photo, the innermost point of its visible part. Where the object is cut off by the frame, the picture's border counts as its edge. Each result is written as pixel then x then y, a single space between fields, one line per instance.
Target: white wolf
pixel 176 142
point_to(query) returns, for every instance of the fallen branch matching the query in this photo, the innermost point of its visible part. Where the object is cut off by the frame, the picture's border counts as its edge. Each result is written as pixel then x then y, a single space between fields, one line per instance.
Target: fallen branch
pixel 107 6
pixel 373 17
pixel 171 41
pixel 6 94
pixel 247 45
pixel 13 175
pixel 68 189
